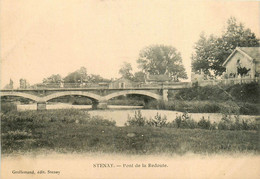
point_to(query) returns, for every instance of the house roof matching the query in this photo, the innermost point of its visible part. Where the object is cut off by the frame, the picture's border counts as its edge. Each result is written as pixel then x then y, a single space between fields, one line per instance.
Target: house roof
pixel 158 78
pixel 253 53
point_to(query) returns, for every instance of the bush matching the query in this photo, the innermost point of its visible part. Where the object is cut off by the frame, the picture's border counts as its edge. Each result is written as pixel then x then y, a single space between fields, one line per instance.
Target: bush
pixel 38 118
pixel 8 107
pixel 205 124
pixel 137 120
pixel 184 121
pixel 227 123
pixel 246 92
pixel 157 121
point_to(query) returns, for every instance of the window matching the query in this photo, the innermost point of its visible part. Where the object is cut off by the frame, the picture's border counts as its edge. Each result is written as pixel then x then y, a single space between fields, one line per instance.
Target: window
pixel 238 63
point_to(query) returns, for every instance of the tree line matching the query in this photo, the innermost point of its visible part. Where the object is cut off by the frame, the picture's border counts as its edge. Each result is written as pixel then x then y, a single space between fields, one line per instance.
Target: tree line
pixel 209 54
pixel 211 51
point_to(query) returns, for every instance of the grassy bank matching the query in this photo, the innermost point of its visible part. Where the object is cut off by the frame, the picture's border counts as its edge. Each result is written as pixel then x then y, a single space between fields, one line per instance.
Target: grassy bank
pixel 246 93
pixel 76 131
pixel 197 106
pixel 235 99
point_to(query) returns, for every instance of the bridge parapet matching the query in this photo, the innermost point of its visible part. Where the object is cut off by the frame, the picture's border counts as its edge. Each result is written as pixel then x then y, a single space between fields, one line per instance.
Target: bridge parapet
pixel 98 96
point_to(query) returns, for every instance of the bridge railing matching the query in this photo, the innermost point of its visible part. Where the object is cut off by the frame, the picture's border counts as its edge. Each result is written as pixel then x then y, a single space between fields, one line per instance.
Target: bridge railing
pixel 105 86
pixel 229 81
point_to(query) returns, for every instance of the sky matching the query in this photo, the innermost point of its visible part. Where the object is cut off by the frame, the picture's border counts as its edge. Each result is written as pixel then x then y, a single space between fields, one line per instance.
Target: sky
pixel 45 37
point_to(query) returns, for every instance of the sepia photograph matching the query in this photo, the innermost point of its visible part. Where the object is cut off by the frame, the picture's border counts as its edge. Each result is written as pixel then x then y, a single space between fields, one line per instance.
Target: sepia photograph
pixel 130 89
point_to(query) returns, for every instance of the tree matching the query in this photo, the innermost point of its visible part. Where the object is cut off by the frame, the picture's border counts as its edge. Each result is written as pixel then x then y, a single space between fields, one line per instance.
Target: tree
pixel 161 59
pixel 10 85
pixel 53 79
pixel 211 52
pixel 96 79
pixel 236 35
pixel 242 71
pixel 77 76
pixel 125 71
pixel 205 58
pixel 139 76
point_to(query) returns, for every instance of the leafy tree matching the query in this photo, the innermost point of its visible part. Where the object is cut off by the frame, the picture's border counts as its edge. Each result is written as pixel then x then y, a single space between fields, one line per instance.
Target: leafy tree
pixel 96 79
pixel 236 35
pixel 126 70
pixel 162 59
pixel 139 76
pixel 53 79
pixel 242 70
pixel 205 58
pixel 211 52
pixel 77 76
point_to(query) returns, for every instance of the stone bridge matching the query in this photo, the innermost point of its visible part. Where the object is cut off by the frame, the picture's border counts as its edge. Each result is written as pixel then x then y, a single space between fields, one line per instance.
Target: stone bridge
pixel 99 96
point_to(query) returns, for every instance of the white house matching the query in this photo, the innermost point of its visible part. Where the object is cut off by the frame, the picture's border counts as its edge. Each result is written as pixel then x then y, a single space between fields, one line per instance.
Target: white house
pixel 121 83
pixel 247 58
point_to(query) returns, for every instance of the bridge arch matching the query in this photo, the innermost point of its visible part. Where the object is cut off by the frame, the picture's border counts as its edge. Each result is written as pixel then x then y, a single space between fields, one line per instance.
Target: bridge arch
pixel 67 93
pixel 141 92
pixel 19 94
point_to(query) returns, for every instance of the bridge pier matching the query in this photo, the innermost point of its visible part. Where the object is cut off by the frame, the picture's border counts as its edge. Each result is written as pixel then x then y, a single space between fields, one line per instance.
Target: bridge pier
pixel 165 94
pixel 41 106
pixel 99 105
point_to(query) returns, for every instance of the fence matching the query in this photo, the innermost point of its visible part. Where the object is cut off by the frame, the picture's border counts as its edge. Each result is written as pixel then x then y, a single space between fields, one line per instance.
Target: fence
pixel 229 81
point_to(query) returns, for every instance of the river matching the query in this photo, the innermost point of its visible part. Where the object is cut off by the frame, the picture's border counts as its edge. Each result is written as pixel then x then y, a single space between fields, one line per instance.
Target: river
pixel 120 113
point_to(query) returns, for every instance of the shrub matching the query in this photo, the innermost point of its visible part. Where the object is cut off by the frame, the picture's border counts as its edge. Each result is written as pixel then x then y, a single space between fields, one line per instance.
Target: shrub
pixel 8 107
pixel 205 124
pixel 38 118
pixel 184 121
pixel 246 92
pixel 137 120
pixel 227 123
pixel 157 121
pixel 98 120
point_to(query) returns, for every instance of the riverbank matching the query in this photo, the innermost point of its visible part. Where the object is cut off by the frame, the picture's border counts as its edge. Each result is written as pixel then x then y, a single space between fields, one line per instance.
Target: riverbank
pixel 68 131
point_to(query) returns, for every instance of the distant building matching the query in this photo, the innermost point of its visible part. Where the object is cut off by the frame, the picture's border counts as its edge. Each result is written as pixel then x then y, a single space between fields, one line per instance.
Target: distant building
pixel 24 84
pixel 245 59
pixel 122 83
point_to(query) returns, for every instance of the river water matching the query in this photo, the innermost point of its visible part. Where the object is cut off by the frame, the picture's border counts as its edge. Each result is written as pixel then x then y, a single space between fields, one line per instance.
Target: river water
pixel 120 113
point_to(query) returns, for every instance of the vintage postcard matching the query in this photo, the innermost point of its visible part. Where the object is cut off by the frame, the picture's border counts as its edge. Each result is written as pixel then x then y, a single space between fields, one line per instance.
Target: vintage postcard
pixel 130 89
